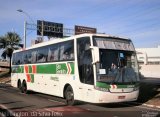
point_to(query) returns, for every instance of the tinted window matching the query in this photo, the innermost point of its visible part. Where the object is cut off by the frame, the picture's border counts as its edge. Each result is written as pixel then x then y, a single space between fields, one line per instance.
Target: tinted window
pixel 53 53
pixel 26 57
pixel 67 50
pixel 42 54
pixel 34 56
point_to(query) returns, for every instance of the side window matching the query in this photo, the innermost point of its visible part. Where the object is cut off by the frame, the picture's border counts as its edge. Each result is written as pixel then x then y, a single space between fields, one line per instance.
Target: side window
pixel 67 50
pixel 34 56
pixel 17 58
pixel 53 53
pixel 42 55
pixel 14 59
pixel 85 60
pixel 25 57
pixel 29 56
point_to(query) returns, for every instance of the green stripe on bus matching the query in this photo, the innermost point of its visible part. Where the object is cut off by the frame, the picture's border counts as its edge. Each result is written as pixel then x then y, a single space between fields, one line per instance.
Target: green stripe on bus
pixel 30 69
pixel 72 67
pixel 102 85
pixel 17 69
pixel 46 69
pixel 61 68
pixel 105 85
pixel 20 69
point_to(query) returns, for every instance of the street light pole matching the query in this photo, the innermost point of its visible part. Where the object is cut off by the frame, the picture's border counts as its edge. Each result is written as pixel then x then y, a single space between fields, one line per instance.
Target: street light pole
pixel 20 10
pixel 25 25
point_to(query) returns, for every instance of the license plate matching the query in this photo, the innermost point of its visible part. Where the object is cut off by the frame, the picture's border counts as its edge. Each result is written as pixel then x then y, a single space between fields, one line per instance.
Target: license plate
pixel 121 97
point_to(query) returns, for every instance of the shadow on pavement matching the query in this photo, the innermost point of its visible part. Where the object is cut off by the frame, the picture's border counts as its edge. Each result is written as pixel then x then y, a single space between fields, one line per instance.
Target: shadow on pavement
pixel 115 105
pixel 148 91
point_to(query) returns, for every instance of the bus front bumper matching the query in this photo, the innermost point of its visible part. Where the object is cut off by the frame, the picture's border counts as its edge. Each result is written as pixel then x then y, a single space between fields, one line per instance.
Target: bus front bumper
pixel 108 97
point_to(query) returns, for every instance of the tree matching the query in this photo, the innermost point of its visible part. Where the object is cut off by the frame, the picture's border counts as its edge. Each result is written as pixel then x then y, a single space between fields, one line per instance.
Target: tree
pixel 9 43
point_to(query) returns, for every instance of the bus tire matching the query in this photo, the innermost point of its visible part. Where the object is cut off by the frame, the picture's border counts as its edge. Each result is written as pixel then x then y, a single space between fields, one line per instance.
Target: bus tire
pixel 19 85
pixel 69 96
pixel 24 87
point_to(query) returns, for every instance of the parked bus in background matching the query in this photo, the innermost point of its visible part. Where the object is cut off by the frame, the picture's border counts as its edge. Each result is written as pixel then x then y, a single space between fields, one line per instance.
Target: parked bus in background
pixel 95 68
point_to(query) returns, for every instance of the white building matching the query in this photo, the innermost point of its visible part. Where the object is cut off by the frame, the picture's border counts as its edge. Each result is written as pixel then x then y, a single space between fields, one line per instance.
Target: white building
pixel 149 61
pixel 149 55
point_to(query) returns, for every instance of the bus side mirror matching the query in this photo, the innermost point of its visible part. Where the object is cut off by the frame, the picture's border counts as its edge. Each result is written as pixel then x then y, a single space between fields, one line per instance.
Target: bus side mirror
pixel 95 51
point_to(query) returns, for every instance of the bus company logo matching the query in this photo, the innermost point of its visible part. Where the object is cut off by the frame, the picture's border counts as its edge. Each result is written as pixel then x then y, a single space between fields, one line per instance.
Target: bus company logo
pixel 59 69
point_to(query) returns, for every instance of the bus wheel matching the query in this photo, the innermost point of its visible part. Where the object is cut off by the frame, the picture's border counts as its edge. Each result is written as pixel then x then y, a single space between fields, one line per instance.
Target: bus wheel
pixel 19 84
pixel 24 87
pixel 69 96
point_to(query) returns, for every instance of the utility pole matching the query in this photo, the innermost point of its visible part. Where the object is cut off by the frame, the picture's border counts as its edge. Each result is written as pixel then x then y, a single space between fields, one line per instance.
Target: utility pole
pixel 25 31
pixel 25 25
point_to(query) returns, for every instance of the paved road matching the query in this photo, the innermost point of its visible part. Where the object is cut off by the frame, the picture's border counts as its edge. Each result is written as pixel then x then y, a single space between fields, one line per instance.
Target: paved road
pixel 12 102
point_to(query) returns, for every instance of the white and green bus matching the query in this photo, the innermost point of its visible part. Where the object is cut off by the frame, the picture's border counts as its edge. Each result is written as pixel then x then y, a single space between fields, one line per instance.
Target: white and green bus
pixel 96 68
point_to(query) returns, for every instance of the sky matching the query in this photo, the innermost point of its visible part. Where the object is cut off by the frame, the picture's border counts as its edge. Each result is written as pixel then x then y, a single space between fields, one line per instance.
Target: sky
pixel 138 20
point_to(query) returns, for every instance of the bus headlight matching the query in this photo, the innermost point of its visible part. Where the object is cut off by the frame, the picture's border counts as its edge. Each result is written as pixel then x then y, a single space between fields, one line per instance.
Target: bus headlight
pixel 102 89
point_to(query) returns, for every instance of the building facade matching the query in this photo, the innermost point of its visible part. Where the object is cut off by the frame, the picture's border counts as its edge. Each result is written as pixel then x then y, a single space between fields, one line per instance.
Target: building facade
pixel 148 56
pixel 149 61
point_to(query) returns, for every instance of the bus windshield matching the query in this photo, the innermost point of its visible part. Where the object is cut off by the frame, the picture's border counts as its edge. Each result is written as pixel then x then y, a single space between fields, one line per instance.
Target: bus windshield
pixel 117 65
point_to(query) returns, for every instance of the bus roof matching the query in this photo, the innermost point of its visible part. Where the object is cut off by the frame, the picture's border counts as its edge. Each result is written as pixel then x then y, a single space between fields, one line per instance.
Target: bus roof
pixel 57 40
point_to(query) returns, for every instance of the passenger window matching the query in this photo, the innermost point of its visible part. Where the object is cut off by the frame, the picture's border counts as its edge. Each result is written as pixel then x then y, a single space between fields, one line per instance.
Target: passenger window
pixel 67 50
pixel 42 55
pixel 34 56
pixel 26 57
pixel 53 53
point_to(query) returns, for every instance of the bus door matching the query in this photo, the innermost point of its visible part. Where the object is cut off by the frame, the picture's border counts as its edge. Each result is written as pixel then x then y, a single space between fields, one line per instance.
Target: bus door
pixel 85 68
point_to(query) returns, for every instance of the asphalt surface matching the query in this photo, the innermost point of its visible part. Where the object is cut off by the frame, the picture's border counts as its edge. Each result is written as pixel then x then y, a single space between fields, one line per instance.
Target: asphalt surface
pixel 14 103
